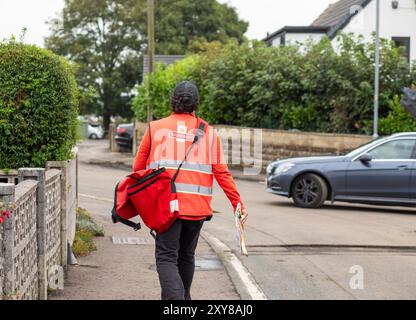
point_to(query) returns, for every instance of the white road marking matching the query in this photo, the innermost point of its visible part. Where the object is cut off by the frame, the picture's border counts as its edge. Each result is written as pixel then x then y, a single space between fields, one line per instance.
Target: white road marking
pixel 131 241
pixel 96 198
pixel 252 288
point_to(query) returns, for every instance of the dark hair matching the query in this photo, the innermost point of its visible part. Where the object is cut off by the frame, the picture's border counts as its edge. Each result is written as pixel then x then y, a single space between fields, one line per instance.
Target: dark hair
pixel 185 98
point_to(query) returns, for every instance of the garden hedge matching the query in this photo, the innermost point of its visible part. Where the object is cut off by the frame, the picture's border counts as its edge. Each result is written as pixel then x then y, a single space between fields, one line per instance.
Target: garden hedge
pixel 319 88
pixel 38 106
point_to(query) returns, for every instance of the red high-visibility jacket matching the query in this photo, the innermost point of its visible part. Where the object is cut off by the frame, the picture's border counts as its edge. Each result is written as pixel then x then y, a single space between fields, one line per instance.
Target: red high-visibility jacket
pixel 164 145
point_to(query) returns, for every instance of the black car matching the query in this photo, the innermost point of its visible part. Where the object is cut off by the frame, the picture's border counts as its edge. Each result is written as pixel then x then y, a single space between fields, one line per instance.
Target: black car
pixel 382 172
pixel 124 136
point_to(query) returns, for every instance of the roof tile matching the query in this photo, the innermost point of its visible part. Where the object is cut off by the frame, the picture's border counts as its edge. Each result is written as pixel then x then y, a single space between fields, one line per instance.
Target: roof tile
pixel 338 12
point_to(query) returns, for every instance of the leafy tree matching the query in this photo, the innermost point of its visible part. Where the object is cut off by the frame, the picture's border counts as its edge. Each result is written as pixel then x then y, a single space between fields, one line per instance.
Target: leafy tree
pixel 107 39
pixel 179 22
pixel 103 38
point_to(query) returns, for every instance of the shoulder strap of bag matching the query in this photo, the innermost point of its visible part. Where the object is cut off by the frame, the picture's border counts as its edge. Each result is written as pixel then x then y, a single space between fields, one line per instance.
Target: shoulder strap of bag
pixel 116 218
pixel 200 131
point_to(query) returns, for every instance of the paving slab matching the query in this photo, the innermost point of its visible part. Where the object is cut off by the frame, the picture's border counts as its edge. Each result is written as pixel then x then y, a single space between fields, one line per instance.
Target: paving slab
pixel 127 272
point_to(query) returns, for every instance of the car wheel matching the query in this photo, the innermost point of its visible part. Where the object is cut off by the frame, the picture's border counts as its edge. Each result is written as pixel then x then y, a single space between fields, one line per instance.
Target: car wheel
pixel 93 136
pixel 309 191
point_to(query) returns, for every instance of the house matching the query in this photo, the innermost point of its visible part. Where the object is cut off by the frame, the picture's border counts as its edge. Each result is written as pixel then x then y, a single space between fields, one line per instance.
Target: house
pixel 398 23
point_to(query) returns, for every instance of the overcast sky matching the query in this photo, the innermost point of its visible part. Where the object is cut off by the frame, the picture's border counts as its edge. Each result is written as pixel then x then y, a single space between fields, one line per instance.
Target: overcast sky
pixel 263 15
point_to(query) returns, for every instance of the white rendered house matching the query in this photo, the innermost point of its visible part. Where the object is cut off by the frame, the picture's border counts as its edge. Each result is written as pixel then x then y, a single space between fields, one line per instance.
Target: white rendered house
pixel 398 23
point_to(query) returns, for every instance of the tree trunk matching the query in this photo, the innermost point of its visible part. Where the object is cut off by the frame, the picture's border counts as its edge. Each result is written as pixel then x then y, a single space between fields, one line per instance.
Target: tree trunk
pixel 106 122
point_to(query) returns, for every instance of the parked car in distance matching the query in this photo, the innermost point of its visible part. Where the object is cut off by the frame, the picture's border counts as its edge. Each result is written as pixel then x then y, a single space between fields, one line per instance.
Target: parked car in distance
pixel 124 136
pixel 382 172
pixel 95 131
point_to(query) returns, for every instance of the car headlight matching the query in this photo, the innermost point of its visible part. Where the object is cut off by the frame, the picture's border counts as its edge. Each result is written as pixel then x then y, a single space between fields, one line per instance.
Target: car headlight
pixel 283 168
pixel 270 169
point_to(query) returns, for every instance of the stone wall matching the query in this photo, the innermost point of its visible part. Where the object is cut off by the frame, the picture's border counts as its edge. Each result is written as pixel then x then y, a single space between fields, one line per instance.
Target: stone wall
pixel 278 144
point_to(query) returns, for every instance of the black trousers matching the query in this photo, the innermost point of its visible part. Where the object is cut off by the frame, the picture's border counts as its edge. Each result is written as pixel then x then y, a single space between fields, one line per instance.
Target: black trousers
pixel 175 258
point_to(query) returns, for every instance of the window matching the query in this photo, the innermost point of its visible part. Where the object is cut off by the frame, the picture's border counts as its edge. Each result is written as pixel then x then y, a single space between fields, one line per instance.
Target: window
pixel 397 149
pixel 403 42
pixel 283 39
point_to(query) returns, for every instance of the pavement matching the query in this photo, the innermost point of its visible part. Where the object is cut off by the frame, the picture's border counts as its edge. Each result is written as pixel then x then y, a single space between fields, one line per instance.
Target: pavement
pixel 126 270
pixel 341 251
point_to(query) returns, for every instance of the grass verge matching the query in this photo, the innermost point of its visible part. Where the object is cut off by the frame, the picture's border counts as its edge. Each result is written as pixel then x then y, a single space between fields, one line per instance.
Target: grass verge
pixel 86 230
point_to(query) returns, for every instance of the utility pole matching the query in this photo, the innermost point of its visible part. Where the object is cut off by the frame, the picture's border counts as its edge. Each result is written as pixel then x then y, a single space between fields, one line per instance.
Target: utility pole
pixel 151 50
pixel 377 72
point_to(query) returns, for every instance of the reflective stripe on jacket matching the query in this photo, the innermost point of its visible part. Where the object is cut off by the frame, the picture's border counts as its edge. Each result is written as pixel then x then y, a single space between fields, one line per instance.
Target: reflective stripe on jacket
pixel 165 144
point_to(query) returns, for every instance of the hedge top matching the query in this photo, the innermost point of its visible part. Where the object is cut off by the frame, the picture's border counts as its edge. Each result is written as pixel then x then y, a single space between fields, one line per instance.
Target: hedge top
pixel 317 88
pixel 38 106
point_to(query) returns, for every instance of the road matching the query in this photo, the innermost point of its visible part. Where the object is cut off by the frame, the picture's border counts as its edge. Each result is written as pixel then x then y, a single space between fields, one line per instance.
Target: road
pixel 304 254
pixel 307 254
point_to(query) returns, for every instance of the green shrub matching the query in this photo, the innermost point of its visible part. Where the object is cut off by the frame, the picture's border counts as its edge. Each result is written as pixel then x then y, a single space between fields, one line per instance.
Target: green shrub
pixel 398 120
pixel 316 89
pixel 86 222
pixel 83 243
pixel 86 230
pixel 161 85
pixel 38 106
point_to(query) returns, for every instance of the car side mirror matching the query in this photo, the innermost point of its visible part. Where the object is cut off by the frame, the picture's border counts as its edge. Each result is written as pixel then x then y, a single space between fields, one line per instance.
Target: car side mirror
pixel 365 158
